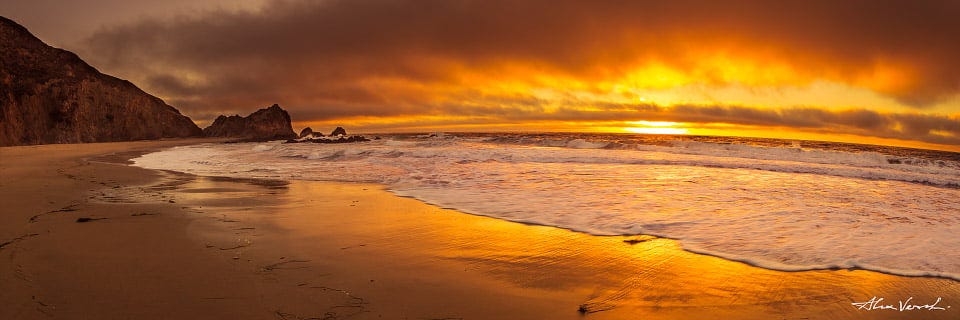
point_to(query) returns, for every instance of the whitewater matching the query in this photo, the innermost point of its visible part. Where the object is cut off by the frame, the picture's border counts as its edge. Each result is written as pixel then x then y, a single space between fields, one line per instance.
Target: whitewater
pixel 777 204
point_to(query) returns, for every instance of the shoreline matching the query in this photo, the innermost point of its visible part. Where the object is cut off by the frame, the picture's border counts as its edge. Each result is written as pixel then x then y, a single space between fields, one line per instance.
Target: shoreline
pixel 745 261
pixel 296 249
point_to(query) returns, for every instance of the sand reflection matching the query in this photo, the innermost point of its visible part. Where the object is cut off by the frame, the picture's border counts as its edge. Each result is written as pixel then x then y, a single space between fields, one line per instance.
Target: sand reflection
pixel 422 257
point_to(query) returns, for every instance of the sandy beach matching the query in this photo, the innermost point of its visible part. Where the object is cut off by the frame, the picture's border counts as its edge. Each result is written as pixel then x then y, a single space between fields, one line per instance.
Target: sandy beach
pixel 86 236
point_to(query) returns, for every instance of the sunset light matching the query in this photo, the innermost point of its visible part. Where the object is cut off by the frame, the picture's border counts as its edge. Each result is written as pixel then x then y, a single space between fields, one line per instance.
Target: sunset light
pixel 480 159
pixel 804 69
pixel 656 130
pixel 656 127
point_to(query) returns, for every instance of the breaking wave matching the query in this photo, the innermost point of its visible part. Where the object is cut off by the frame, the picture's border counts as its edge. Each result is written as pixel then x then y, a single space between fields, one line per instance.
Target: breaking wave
pixel 776 204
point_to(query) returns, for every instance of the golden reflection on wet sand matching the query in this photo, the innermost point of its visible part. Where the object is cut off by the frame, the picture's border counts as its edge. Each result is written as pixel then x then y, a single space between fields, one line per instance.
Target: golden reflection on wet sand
pixel 409 259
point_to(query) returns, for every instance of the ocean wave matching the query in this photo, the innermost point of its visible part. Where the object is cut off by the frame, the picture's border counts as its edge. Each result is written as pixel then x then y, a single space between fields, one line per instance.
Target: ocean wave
pixel 780 207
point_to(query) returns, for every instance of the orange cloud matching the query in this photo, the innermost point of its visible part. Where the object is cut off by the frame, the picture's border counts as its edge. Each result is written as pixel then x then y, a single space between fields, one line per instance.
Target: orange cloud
pixel 689 61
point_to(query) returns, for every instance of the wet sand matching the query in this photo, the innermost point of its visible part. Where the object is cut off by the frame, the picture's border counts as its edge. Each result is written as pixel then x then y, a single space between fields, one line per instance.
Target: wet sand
pixel 181 246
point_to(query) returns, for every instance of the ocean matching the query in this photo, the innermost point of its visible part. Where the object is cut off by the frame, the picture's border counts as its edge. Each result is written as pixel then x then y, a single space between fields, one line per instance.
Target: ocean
pixel 779 204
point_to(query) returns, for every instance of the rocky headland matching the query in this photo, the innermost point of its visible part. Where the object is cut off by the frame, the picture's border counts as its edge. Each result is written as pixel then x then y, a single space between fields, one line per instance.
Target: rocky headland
pixel 50 95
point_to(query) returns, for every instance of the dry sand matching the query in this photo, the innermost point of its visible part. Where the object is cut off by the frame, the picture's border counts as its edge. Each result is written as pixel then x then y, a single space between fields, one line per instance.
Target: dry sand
pixel 163 245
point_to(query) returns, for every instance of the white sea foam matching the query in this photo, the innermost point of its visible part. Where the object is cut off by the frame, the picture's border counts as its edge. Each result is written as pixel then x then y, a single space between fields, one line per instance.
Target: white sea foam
pixel 782 208
pixel 263 147
pixel 584 144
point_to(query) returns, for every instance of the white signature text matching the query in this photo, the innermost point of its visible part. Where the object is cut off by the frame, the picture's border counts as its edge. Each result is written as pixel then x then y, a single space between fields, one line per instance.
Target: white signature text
pixel 901 305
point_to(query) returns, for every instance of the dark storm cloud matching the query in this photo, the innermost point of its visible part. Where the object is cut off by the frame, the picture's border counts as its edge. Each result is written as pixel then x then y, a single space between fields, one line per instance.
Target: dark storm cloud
pixel 920 127
pixel 328 59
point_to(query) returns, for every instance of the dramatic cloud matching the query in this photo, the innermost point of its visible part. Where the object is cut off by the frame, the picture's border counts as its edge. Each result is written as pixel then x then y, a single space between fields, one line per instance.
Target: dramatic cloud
pixel 929 128
pixel 512 60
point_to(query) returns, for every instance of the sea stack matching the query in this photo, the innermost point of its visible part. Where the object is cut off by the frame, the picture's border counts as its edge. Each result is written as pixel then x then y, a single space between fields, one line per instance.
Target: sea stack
pixel 309 133
pixel 266 124
pixel 49 95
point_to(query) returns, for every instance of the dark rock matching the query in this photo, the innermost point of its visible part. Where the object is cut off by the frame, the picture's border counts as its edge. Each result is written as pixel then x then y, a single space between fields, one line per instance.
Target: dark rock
pixel 50 95
pixel 271 123
pixel 344 140
pixel 327 140
pixel 338 132
pixel 582 309
pixel 308 133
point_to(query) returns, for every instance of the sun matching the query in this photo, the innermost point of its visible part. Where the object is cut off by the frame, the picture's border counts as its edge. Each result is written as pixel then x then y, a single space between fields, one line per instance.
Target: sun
pixel 656 127
pixel 653 130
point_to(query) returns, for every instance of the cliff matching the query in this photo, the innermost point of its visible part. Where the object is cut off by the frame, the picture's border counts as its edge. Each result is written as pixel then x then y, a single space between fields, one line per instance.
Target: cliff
pixel 50 95
pixel 271 123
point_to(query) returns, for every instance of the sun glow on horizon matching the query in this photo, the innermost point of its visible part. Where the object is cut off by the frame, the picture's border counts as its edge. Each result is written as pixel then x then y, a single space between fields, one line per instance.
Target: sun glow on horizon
pixel 656 127
pixel 703 93
pixel 829 70
pixel 374 125
pixel 655 130
pixel 748 93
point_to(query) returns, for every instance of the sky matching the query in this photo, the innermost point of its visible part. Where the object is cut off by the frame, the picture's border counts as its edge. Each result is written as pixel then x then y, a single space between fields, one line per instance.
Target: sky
pixel 884 72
